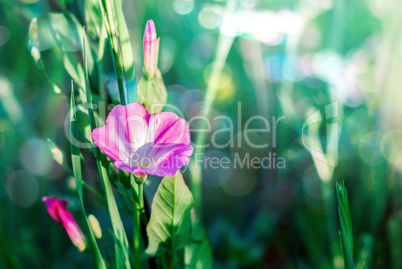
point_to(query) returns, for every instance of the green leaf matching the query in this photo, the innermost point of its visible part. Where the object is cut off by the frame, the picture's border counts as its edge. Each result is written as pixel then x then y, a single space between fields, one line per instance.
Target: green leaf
pixel 169 228
pixel 198 254
pixel 83 121
pixel 76 164
pixel 152 93
pixel 93 17
pixel 67 33
pixel 34 48
pixel 125 44
pixel 346 234
pixel 72 63
pixel 119 38
pixel 67 38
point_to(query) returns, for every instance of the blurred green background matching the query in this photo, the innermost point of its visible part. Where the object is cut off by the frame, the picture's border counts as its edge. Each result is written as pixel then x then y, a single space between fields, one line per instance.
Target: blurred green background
pixel 285 58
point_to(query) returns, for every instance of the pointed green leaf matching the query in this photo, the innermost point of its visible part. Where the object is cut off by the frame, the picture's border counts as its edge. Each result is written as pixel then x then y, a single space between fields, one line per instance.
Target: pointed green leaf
pixel 346 234
pixel 169 228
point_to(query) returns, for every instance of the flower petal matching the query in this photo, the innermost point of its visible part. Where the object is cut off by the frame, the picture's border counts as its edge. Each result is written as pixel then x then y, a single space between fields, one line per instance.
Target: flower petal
pixel 128 168
pixel 108 141
pixel 124 132
pixel 167 127
pixel 173 160
pixel 53 205
pixel 140 143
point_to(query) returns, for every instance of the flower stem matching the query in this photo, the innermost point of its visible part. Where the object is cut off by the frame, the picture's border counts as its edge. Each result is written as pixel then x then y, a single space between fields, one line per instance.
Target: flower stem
pixel 120 83
pixel 138 207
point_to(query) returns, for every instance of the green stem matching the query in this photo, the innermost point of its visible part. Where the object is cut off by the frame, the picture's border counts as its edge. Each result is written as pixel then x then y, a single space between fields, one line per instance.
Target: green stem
pixel 121 91
pixel 138 206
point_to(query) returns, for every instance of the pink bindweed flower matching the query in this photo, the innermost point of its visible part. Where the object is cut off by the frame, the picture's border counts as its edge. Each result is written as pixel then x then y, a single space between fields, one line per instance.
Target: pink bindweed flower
pixel 58 211
pixel 150 47
pixel 143 143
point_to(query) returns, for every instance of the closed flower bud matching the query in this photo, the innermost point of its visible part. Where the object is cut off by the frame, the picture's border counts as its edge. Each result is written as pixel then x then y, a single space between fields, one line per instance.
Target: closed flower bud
pixel 58 211
pixel 151 49
pixel 95 226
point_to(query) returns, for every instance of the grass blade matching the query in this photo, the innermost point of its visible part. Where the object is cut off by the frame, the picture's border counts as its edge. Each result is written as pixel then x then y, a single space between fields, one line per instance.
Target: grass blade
pixel 346 234
pixel 121 246
pixel 76 164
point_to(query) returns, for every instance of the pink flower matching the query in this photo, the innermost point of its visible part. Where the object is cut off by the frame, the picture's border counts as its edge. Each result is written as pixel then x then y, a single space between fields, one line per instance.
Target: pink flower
pixel 142 143
pixel 150 47
pixel 58 211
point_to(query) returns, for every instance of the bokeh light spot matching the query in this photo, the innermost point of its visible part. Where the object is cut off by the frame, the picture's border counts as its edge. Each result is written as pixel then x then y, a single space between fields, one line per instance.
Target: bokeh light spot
pixel 168 53
pixel 217 167
pixel 35 157
pixel 391 147
pixel 183 7
pixel 210 16
pixel 369 149
pixel 224 84
pixel 22 188
pixel 240 183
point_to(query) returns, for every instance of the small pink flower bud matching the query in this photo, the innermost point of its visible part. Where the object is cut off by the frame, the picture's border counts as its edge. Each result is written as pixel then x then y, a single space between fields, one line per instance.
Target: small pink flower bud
pixel 58 211
pixel 151 47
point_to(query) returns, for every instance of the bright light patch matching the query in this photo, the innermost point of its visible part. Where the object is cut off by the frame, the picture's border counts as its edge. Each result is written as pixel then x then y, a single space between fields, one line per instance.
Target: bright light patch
pixel 183 7
pixel 210 16
pixel 35 157
pixel 265 26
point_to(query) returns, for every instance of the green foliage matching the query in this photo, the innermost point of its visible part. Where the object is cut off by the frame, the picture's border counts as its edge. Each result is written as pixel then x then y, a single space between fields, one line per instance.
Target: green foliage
pixel 152 92
pixel 66 35
pixel 169 228
pixel 77 172
pixel 345 51
pixel 121 243
pixel 346 233
pixel 119 41
pixel 34 48
pixel 93 18
pixel 175 231
pixel 198 252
